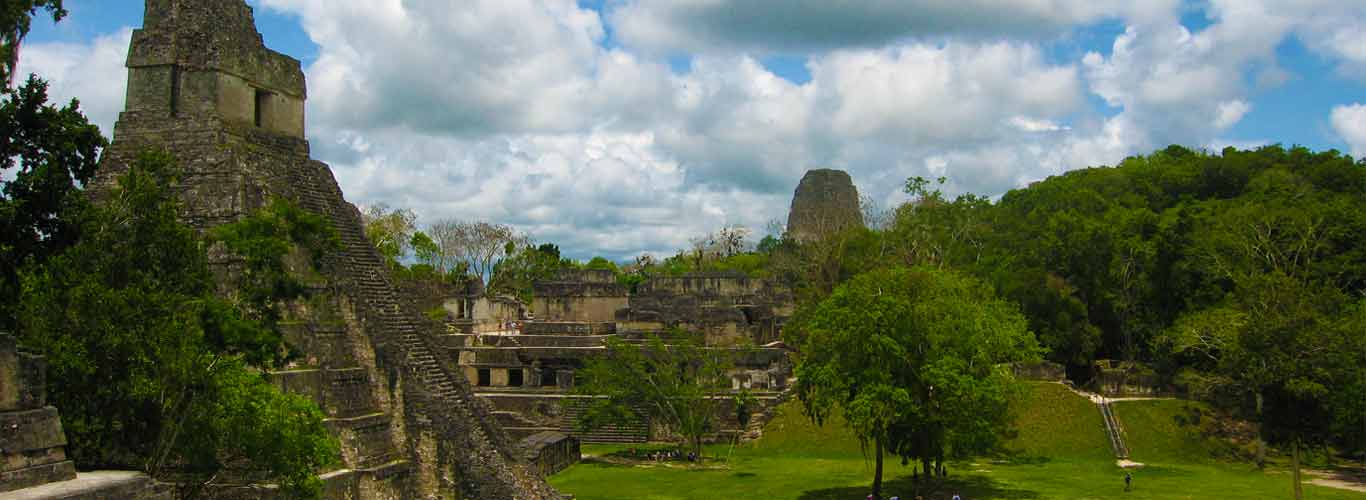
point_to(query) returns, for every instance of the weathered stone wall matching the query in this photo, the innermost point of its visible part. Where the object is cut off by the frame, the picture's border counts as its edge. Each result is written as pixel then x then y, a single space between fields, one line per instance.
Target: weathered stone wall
pixel 550 452
pixel 1047 371
pixel 578 308
pixel 728 308
pixel 568 328
pixel 1123 378
pixel 825 202
pixel 33 463
pixel 578 296
pixel 32 444
pixel 409 424
pixel 571 326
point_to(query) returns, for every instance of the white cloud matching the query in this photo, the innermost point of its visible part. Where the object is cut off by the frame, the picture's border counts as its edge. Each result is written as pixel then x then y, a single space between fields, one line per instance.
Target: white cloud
pixel 1230 112
pixel 1349 121
pixel 1176 86
pixel 1028 124
pixel 951 94
pixel 524 117
pixel 1333 28
pixel 486 66
pixel 600 192
pixel 92 72
pixel 518 111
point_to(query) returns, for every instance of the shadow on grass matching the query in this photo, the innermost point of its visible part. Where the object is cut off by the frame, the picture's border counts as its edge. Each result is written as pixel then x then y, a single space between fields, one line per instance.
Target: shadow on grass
pixel 655 457
pixel 1164 471
pixel 968 487
pixel 1019 458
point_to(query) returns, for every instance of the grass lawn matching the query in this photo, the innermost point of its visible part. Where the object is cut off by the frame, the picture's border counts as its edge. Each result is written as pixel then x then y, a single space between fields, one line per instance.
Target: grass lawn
pixel 1060 453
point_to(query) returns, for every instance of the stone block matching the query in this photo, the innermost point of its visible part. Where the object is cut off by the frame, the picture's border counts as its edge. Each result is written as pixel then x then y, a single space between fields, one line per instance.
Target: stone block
pixel 37 475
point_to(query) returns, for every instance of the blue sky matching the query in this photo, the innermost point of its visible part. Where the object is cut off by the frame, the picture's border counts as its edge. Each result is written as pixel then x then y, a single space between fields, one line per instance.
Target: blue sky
pixel 617 127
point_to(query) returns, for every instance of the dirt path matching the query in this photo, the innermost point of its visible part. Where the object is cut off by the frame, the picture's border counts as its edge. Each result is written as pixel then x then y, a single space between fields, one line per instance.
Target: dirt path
pixel 1343 478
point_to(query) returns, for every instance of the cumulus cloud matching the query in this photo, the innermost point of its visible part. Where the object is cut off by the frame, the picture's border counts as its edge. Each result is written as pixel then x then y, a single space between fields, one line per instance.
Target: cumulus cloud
pixel 526 117
pixel 489 66
pixel 574 127
pixel 815 25
pixel 1230 112
pixel 602 192
pixel 1333 28
pixel 94 73
pixel 1349 121
pixel 1173 85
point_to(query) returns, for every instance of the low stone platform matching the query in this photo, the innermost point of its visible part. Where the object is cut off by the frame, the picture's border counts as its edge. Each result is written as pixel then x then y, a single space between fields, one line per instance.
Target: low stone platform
pixel 550 452
pixel 99 485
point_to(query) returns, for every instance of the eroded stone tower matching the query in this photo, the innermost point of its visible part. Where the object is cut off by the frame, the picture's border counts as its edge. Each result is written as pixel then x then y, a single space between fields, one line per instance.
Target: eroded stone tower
pixel 825 202
pixel 203 86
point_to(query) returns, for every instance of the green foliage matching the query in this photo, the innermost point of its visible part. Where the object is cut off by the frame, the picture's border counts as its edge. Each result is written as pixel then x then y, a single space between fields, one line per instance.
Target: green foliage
pixel 437 313
pixel 678 383
pixel 910 356
pixel 148 367
pixel 263 240
pixel 601 264
pixel 390 231
pixel 425 249
pixel 1265 341
pixel 768 244
pixel 47 153
pixel 1104 260
pixel 15 19
pixel 515 274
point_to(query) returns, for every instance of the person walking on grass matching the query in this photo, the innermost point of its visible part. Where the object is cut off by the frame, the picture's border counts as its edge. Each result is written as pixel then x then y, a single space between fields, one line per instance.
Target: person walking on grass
pixel 1128 481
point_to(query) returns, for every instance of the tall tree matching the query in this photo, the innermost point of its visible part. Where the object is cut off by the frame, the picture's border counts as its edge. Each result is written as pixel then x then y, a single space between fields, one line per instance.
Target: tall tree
pixel 47 154
pixel 150 369
pixel 679 383
pixel 390 230
pixel 912 357
pixel 515 274
pixel 1283 344
pixel 15 19
pixel 445 237
pixel 482 245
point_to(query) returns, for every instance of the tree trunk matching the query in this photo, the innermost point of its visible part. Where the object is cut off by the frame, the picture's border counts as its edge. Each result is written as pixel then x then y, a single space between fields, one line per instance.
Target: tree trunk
pixel 877 472
pixel 1295 464
pixel 1261 442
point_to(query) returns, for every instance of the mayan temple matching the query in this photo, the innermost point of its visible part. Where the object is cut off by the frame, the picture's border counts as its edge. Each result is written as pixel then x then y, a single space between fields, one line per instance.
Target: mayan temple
pixel 203 86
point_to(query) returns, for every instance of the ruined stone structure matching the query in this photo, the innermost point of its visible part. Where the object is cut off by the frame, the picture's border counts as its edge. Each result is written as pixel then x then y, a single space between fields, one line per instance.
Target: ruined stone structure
pixel 33 463
pixel 203 86
pixel 31 438
pixel 1115 378
pixel 825 202
pixel 475 312
pixel 527 374
pixel 580 296
pixel 728 308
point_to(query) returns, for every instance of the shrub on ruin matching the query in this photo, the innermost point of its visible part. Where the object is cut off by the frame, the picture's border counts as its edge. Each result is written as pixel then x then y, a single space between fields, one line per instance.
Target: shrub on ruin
pixel 150 369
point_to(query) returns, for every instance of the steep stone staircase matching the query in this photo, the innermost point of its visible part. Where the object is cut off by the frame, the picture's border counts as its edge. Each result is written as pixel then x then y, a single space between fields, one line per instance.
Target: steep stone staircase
pixel 1113 430
pixel 636 431
pixel 438 397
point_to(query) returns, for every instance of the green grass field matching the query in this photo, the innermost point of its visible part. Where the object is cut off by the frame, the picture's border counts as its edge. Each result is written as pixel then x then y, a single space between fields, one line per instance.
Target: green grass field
pixel 1060 452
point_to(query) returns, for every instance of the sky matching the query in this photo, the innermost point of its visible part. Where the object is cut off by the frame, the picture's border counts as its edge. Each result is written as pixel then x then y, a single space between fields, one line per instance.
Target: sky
pixel 617 127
